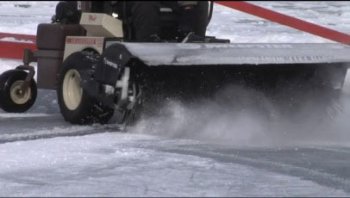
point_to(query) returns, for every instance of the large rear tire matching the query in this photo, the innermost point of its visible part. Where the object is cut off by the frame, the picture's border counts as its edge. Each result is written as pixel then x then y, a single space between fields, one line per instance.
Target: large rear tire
pixel 76 106
pixel 13 98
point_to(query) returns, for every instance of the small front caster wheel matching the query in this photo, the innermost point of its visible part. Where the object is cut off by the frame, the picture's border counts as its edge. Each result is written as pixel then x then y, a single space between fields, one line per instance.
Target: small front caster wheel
pixel 13 98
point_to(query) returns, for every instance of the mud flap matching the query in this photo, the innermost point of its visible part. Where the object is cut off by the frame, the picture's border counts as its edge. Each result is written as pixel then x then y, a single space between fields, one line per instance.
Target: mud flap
pixel 112 63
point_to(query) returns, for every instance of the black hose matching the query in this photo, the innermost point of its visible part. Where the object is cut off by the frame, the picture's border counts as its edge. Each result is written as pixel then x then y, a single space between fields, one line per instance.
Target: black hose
pixel 211 8
pixel 126 21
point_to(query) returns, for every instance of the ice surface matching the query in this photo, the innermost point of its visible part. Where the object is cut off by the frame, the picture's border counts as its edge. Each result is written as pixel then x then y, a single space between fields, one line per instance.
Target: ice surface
pixel 113 164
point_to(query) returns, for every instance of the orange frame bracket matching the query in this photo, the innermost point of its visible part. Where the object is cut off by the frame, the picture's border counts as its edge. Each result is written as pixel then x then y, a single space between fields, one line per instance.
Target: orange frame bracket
pixel 14 49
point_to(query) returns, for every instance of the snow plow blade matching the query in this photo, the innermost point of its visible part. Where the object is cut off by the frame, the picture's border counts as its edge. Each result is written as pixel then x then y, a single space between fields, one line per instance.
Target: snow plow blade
pixel 184 54
pixel 220 63
pixel 192 70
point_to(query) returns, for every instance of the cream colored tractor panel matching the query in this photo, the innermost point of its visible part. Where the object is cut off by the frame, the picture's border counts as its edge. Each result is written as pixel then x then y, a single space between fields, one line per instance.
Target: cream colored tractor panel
pixel 80 43
pixel 97 24
pixel 98 27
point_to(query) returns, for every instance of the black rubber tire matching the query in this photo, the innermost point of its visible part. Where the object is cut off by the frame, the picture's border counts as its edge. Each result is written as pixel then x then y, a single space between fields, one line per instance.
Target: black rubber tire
pixel 89 110
pixel 9 79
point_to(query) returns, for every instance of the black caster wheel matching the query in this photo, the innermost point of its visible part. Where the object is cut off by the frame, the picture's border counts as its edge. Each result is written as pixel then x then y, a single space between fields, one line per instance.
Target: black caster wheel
pixel 13 98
